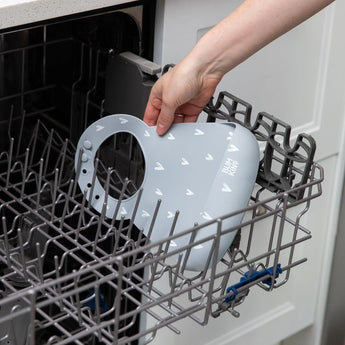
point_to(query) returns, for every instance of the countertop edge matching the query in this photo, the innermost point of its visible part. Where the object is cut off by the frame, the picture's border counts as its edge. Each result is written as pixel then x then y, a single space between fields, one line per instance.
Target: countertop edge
pixel 21 13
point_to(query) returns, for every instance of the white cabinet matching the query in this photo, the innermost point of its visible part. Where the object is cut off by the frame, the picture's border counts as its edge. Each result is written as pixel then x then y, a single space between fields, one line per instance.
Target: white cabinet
pixel 300 79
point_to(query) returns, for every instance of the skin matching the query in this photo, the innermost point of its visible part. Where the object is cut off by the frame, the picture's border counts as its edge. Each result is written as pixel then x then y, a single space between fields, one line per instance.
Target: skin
pixel 181 94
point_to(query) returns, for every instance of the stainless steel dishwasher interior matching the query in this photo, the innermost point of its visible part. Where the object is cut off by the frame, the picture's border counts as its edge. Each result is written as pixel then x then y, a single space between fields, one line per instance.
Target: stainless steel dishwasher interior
pixel 71 275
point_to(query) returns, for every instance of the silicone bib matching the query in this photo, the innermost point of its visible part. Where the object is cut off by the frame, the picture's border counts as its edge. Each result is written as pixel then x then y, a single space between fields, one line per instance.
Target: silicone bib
pixel 204 170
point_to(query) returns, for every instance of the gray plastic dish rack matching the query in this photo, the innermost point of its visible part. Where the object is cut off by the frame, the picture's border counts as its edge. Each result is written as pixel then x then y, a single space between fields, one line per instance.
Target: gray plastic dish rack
pixel 71 275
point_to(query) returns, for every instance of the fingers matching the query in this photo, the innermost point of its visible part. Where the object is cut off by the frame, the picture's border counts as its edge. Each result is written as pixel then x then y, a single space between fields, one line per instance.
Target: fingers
pixel 164 115
pixel 158 112
pixel 165 118
pixel 192 118
pixel 174 93
pixel 152 110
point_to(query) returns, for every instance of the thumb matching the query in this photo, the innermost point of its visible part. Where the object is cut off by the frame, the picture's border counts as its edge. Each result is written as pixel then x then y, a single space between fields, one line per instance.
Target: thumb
pixel 166 118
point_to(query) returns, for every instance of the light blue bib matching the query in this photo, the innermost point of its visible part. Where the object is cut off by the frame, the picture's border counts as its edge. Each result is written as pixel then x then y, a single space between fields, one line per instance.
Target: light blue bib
pixel 202 170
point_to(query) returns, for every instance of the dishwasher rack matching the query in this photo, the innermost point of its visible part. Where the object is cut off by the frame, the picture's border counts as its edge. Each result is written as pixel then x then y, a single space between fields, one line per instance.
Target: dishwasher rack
pixel 71 275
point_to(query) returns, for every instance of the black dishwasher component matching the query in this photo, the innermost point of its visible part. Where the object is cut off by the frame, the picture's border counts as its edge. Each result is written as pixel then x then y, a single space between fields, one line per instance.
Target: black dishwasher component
pixel 124 74
pixel 283 165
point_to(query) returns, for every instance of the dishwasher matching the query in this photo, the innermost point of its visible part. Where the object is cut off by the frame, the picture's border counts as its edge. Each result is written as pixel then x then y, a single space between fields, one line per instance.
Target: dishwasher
pixel 68 273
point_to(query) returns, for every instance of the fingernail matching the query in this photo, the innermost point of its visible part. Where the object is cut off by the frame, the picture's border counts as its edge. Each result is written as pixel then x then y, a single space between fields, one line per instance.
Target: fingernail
pixel 160 128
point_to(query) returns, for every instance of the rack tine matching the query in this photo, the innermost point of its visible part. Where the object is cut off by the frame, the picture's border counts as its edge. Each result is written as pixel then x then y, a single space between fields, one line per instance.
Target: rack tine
pixel 68 196
pixel 39 262
pixel 213 271
pixel 74 85
pixel 152 278
pixel 77 297
pixel 49 145
pixel 118 235
pixel 99 227
pixel 10 156
pixel 134 212
pixel 6 242
pixel 148 236
pixel 54 339
pixel 58 284
pixel 39 184
pixel 171 232
pixel 94 175
pixel 55 189
pixel 208 261
pixel 35 137
pixel 10 119
pixel 122 194
pixel 188 250
pixel 77 173
pixel 280 237
pixel 98 311
pixel 81 216
pixel 22 255
pixel 12 325
pixel 175 276
pixel 117 302
pixel 140 236
pixel 137 245
pixel 273 231
pixel 63 157
pixel 93 87
pixel 154 267
pixel 107 185
pixel 226 276
pixel 20 136
pixel 31 332
pixel 25 170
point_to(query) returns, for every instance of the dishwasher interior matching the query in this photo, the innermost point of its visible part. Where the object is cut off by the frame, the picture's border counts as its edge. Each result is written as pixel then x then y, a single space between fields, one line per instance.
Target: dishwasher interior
pixel 69 274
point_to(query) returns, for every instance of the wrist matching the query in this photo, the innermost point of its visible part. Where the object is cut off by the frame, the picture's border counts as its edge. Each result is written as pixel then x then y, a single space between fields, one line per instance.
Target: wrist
pixel 212 56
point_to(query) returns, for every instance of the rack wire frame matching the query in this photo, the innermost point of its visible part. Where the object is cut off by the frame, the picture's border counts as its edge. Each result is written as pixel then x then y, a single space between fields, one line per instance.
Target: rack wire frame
pixel 71 275
pixel 56 218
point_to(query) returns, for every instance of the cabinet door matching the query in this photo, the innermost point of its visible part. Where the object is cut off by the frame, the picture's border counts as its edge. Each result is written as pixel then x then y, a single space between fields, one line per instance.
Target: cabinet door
pixel 299 78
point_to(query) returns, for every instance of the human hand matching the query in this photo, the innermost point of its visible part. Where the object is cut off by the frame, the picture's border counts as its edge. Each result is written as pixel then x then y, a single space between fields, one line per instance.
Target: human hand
pixel 187 87
pixel 179 96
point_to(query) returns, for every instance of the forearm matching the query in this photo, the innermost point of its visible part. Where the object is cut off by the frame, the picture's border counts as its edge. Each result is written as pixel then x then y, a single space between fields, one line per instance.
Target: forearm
pixel 187 87
pixel 246 30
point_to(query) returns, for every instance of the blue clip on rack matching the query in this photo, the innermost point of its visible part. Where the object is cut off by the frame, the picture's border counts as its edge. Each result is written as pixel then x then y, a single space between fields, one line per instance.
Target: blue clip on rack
pixel 254 276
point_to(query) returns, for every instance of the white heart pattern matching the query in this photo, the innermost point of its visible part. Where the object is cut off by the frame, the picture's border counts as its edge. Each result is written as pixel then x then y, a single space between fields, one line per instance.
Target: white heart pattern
pixel 189 192
pixel 198 132
pixel 158 192
pixel 209 157
pixel 226 188
pixel 184 161
pixel 123 121
pixel 170 215
pixel 159 166
pixel 145 214
pixel 231 134
pixel 206 216
pixel 233 148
